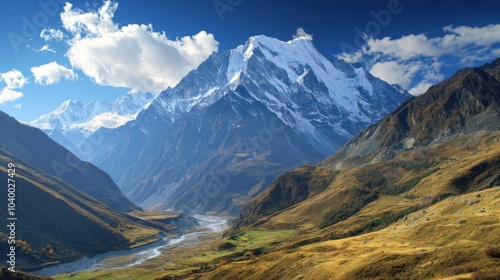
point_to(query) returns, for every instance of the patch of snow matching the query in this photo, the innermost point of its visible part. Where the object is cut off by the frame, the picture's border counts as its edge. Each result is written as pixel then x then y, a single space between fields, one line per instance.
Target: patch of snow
pixel 107 120
pixel 300 79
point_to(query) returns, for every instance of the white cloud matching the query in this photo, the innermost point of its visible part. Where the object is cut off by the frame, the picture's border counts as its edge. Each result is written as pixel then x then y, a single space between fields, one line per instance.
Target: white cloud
pixel 49 34
pixel 394 72
pixel 415 61
pixel 18 106
pixel 98 22
pixel 132 56
pixel 9 95
pixel 45 48
pixel 14 79
pixel 52 73
pixel 421 87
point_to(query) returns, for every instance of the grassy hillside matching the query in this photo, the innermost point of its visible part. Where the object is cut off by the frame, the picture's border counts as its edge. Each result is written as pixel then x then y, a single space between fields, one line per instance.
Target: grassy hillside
pixel 455 237
pixel 57 222
pixel 371 196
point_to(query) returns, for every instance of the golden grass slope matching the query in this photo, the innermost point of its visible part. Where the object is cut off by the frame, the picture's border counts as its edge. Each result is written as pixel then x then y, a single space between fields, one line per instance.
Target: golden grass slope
pixel 442 241
pixel 415 178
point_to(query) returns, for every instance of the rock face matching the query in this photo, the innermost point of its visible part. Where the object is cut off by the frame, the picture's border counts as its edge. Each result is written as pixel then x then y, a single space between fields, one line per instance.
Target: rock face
pixel 236 122
pixel 466 103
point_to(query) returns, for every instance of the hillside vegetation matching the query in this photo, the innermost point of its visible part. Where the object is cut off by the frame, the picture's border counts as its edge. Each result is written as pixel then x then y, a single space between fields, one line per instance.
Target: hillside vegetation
pixel 58 223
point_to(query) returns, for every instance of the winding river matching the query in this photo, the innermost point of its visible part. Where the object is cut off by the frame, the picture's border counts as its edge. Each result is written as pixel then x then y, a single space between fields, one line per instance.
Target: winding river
pixel 137 255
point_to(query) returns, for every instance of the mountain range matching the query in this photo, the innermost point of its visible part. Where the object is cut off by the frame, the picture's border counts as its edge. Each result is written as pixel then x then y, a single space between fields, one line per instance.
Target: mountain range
pixel 74 121
pixel 241 118
pixel 415 195
pixel 390 186
pixel 36 148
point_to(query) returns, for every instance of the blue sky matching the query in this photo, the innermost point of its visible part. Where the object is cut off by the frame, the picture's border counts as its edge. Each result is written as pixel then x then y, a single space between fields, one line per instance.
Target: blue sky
pixel 52 51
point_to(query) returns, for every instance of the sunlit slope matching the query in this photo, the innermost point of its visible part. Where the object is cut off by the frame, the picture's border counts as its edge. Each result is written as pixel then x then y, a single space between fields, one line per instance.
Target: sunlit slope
pixel 453 237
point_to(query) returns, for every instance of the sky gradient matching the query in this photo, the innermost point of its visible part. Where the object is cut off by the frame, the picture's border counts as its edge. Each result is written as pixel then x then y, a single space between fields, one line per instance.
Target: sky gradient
pixel 87 49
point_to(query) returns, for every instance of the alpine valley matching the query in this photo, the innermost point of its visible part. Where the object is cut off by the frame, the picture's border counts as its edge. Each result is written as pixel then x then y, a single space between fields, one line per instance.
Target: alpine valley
pixel 414 196
pixel 329 173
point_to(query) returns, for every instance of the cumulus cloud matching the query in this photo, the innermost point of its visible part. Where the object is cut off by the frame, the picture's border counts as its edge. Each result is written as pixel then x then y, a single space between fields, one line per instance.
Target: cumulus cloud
pixel 50 34
pixel 415 61
pixel 52 73
pixel 18 106
pixel 9 95
pixel 132 56
pixel 13 79
pixel 394 72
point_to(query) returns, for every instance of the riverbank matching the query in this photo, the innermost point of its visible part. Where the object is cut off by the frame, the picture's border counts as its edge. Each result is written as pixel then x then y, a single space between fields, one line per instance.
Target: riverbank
pixel 132 257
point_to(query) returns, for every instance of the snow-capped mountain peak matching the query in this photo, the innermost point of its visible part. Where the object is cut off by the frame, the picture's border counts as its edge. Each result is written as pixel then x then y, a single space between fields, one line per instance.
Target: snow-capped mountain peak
pixel 287 77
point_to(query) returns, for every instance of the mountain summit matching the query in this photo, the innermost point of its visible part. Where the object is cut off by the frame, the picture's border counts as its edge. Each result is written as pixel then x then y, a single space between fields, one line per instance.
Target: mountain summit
pixel 242 117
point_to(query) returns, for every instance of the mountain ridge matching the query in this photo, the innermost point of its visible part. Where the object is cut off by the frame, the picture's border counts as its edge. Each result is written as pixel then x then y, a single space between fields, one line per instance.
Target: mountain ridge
pixel 377 156
pixel 383 207
pixel 471 89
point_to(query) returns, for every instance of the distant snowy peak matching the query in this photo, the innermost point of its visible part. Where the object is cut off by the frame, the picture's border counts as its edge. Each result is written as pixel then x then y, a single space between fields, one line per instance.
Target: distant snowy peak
pixel 76 115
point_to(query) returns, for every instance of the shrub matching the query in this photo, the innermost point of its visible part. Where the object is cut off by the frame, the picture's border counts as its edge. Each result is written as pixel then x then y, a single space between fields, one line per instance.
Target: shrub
pixel 493 252
pixel 371 179
pixel 412 165
pixel 226 246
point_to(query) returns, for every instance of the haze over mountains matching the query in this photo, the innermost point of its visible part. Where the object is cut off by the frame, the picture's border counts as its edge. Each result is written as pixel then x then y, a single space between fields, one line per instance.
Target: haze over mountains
pixel 241 118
